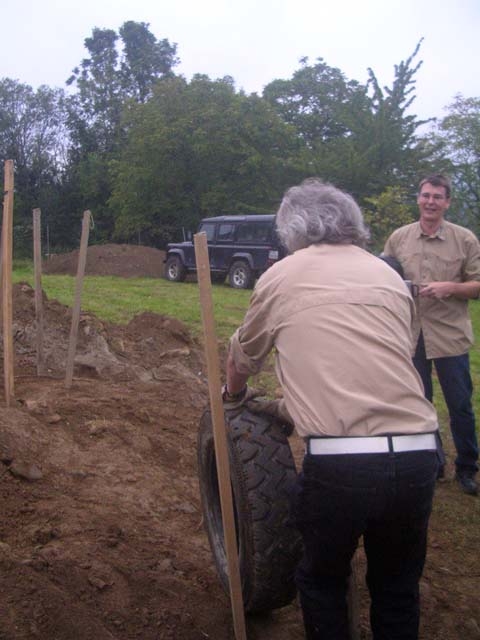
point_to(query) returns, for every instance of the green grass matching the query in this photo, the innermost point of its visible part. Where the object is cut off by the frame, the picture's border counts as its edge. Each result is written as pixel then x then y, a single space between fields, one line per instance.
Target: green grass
pixel 118 300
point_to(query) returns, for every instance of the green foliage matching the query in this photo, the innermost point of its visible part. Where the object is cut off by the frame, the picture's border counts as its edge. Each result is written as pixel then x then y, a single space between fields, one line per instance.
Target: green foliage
pixel 32 134
pixel 146 59
pixel 198 149
pixel 385 213
pixel 149 153
pixel 359 137
pixel 459 136
pixel 318 101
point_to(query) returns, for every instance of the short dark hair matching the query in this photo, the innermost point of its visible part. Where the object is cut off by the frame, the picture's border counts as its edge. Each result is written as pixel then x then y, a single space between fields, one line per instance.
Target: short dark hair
pixel 438 180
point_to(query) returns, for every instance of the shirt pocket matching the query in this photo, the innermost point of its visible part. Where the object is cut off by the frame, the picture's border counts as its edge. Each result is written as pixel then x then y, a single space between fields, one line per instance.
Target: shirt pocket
pixel 447 269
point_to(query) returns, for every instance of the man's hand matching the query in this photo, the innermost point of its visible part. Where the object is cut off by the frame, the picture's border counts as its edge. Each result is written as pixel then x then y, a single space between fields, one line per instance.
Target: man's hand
pixel 276 408
pixel 437 290
pixel 463 290
pixel 234 402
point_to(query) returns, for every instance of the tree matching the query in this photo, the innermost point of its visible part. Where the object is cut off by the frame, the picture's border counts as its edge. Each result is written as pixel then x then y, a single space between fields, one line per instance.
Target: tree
pixel 385 213
pixel 199 149
pixel 459 135
pixel 317 101
pixel 145 59
pixel 398 156
pixel 108 80
pixel 360 137
pixel 33 134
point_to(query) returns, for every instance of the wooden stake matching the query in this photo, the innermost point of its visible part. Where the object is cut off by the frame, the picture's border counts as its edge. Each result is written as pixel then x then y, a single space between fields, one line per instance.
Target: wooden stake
pixel 219 433
pixel 82 260
pixel 7 250
pixel 37 263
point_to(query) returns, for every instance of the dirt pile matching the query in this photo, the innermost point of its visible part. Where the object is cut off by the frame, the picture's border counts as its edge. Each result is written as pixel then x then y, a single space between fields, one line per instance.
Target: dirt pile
pixel 124 260
pixel 101 534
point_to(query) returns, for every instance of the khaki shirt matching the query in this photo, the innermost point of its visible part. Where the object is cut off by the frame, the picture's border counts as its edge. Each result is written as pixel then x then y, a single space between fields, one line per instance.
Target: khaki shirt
pixel 451 255
pixel 340 321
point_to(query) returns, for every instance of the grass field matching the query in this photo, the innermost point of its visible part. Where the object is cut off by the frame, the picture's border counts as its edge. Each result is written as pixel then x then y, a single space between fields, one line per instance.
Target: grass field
pixel 118 300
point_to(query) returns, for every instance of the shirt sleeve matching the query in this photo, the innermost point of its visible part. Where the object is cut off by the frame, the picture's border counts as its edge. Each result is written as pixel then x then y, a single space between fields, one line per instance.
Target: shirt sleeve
pixel 389 248
pixel 471 270
pixel 254 339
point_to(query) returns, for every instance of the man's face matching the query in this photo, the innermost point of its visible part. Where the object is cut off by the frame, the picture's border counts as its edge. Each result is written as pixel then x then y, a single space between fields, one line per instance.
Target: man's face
pixel 432 202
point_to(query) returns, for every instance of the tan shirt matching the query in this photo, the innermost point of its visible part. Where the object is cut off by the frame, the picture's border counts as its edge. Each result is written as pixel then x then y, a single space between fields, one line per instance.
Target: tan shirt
pixel 451 255
pixel 340 320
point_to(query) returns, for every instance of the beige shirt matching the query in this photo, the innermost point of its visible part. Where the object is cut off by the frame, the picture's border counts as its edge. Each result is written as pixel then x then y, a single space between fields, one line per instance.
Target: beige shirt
pixel 452 254
pixel 340 321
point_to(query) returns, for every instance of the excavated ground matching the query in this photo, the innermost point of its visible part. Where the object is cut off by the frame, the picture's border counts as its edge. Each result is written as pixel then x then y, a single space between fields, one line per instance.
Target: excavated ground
pixel 101 533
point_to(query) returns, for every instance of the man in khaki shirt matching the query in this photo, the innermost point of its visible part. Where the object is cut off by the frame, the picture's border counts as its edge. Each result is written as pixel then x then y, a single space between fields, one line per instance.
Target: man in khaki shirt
pixel 339 320
pixel 444 260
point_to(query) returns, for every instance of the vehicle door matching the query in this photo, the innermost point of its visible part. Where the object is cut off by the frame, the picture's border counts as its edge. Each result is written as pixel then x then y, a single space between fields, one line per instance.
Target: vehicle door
pixel 221 251
pixel 254 239
pixel 209 228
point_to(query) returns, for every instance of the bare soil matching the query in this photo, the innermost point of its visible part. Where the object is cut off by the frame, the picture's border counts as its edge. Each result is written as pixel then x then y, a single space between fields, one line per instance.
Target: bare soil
pixel 101 532
pixel 124 260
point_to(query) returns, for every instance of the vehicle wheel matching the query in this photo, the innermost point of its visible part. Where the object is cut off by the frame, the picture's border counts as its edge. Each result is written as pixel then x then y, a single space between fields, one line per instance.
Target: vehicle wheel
pixel 263 474
pixel 175 270
pixel 241 275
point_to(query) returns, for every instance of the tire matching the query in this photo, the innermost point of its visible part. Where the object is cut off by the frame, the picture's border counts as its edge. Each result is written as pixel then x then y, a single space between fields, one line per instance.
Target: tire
pixel 240 275
pixel 175 270
pixel 263 475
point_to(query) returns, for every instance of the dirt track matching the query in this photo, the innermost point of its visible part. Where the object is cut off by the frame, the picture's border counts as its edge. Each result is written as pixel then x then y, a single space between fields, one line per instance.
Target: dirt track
pixel 101 532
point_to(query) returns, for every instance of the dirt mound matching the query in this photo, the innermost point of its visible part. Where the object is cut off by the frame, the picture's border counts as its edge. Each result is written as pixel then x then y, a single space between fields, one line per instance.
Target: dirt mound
pixel 124 260
pixel 101 534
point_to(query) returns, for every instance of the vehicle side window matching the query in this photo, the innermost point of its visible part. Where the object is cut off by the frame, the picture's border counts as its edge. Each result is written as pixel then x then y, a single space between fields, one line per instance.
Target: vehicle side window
pixel 258 232
pixel 209 230
pixel 225 232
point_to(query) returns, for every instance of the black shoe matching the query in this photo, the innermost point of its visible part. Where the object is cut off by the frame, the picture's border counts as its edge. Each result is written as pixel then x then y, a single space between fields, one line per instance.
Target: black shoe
pixel 441 473
pixel 467 482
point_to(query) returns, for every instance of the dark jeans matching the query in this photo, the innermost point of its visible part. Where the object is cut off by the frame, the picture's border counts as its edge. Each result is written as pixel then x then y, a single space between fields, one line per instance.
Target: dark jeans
pixel 456 383
pixel 387 498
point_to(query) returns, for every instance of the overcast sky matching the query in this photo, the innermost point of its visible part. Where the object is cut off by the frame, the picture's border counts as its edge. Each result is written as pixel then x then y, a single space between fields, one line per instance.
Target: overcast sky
pixel 257 41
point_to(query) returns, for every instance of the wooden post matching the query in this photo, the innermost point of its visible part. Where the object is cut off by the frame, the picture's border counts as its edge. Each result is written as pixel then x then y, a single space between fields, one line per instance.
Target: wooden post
pixel 82 260
pixel 7 250
pixel 37 263
pixel 219 433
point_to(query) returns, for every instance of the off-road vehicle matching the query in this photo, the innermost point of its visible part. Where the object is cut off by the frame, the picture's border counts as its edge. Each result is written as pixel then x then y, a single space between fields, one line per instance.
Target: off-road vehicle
pixel 240 247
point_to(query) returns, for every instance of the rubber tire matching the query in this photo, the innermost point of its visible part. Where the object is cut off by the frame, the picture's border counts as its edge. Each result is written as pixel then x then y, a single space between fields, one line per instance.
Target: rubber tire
pixel 175 270
pixel 263 475
pixel 240 275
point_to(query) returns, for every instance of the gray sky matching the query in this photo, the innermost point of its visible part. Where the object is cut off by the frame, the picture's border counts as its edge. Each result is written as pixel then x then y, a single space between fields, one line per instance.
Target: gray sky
pixel 257 41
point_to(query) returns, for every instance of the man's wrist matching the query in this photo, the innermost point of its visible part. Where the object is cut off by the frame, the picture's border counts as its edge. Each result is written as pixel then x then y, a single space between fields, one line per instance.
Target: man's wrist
pixel 228 396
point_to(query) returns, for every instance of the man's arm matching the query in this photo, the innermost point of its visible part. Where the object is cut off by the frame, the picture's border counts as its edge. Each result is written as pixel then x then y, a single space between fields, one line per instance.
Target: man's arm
pixel 463 290
pixel 235 381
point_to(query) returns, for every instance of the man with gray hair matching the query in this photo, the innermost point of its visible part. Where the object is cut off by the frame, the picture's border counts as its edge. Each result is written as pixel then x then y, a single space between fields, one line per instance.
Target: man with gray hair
pixel 339 320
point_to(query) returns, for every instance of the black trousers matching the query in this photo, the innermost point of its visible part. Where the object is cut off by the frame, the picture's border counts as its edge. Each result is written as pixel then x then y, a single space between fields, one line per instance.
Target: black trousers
pixel 454 376
pixel 387 498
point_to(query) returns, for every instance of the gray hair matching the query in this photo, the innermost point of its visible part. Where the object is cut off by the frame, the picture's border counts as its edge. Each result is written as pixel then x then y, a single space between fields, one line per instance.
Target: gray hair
pixel 315 212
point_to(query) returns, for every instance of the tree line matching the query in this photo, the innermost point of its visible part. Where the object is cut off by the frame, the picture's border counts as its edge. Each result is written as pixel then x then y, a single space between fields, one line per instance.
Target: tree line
pixel 150 153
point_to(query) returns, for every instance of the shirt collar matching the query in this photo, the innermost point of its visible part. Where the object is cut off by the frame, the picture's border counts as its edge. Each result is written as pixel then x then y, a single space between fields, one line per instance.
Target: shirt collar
pixel 439 233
